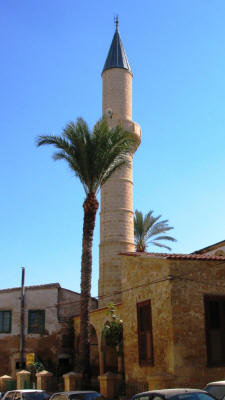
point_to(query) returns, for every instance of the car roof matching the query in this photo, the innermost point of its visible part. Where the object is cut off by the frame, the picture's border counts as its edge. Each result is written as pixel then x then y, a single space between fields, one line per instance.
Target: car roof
pixel 216 383
pixel 26 390
pixel 78 392
pixel 170 392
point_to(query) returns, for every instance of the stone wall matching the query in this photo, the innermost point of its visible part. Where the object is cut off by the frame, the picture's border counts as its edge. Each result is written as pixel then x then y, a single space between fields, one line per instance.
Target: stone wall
pixel 176 289
pixel 106 357
pixel 143 280
pixel 193 280
pixel 69 303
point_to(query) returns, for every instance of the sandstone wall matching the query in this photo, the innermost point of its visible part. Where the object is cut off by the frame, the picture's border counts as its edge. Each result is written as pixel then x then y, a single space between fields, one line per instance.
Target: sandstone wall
pixel 145 280
pixel 193 280
pixel 116 216
pixel 176 289
pixel 117 93
pixel 141 282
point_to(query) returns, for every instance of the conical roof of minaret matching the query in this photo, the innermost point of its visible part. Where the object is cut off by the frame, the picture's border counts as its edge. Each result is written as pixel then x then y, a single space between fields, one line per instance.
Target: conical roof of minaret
pixel 116 57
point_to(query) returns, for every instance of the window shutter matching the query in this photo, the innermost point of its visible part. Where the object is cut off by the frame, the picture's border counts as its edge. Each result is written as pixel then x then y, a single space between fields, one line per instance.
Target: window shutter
pixel 145 341
pixel 43 320
pixel 215 330
pixel 5 321
pixel 36 321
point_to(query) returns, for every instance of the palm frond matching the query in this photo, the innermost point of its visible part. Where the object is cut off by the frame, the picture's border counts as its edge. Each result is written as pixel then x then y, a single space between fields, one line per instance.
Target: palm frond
pixel 93 156
pixel 161 245
pixel 148 227
pixel 158 228
pixel 165 238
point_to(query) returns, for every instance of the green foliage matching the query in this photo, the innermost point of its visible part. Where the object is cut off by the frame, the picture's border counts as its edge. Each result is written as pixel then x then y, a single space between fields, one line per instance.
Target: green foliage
pixel 37 366
pixel 147 228
pixel 92 156
pixel 113 330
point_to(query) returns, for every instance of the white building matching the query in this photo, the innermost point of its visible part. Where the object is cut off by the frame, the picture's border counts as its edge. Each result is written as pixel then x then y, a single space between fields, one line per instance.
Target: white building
pixel 48 329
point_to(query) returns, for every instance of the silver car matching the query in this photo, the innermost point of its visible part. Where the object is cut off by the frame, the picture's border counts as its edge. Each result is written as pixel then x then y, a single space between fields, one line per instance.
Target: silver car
pixel 77 395
pixel 26 394
pixel 174 394
pixel 217 389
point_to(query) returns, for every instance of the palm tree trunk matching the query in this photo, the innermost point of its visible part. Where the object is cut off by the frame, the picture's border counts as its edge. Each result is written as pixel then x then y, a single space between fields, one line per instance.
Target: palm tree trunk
pixel 90 209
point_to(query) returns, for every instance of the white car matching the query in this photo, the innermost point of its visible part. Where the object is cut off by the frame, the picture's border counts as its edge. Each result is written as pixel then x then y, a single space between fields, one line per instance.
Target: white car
pixel 216 389
pixel 77 395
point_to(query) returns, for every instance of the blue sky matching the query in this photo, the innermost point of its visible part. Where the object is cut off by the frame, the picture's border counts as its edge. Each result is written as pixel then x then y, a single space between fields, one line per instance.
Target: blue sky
pixel 52 54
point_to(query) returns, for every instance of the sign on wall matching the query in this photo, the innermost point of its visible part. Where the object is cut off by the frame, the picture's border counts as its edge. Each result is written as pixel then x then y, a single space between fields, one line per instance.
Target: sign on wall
pixel 30 358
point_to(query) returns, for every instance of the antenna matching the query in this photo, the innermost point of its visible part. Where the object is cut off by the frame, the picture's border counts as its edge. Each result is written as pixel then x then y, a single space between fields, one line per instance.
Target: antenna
pixel 116 21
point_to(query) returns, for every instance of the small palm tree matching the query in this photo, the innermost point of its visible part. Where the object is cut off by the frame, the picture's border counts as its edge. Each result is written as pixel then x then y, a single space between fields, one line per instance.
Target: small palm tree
pixel 93 157
pixel 148 229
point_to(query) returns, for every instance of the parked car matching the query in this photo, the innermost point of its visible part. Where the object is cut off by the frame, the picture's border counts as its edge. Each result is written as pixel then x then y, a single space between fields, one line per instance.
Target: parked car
pixel 217 389
pixel 80 395
pixel 174 394
pixel 26 394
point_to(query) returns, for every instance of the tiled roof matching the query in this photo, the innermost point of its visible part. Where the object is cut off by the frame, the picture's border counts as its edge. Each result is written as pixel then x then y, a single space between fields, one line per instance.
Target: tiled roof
pixel 176 256
pixel 116 57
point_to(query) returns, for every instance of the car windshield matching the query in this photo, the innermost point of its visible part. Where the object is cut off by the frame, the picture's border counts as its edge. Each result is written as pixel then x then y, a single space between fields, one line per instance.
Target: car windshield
pixel 191 396
pixel 35 396
pixel 85 396
pixel 216 390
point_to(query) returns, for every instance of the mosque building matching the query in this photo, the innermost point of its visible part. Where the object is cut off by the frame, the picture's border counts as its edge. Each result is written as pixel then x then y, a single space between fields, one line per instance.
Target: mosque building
pixel 171 306
pixel 167 302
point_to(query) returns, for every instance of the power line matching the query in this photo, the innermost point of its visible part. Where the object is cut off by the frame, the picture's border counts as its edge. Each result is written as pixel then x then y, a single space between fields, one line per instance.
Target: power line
pixel 149 283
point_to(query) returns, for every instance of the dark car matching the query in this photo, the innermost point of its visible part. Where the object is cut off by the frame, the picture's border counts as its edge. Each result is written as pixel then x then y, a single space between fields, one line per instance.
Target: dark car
pixel 77 395
pixel 26 394
pixel 174 394
pixel 217 389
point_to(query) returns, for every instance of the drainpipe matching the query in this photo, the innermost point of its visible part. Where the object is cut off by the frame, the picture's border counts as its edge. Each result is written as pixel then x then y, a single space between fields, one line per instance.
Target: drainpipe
pixel 22 320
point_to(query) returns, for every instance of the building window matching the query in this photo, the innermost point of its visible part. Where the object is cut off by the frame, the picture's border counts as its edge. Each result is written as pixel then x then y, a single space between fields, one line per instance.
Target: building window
pixel 145 339
pixel 215 330
pixel 36 321
pixel 5 321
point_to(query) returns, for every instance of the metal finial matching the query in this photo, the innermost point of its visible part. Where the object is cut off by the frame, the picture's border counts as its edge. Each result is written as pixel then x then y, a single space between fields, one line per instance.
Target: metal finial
pixel 116 21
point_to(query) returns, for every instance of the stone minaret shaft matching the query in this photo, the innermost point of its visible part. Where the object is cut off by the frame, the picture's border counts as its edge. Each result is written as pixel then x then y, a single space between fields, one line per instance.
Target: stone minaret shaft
pixel 116 217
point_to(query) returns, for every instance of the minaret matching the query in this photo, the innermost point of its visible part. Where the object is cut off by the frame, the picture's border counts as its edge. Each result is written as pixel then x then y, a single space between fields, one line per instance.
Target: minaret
pixel 116 216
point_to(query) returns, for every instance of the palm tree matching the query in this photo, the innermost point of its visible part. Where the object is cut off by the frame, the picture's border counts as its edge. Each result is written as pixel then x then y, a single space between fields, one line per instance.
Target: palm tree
pixel 148 229
pixel 93 157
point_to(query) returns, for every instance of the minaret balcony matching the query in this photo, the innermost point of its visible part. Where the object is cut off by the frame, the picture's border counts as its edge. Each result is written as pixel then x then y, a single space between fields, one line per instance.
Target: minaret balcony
pixel 127 125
